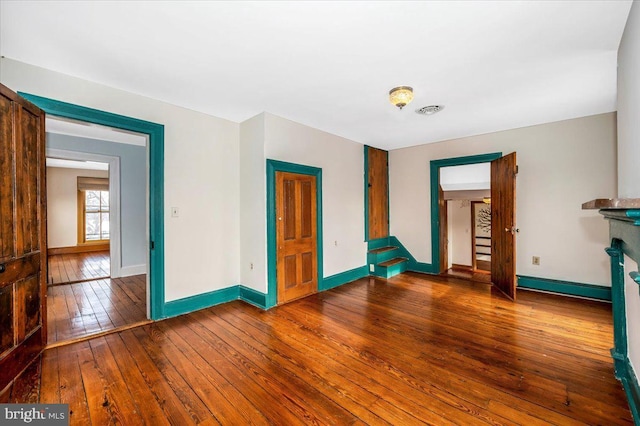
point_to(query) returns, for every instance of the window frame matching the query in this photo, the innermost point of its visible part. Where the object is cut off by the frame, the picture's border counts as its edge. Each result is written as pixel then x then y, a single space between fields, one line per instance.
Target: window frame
pixel 82 212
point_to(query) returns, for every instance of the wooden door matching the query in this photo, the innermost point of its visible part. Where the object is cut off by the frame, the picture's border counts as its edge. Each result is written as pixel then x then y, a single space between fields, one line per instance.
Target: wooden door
pixel 444 231
pixel 296 236
pixel 22 234
pixel 378 192
pixel 503 224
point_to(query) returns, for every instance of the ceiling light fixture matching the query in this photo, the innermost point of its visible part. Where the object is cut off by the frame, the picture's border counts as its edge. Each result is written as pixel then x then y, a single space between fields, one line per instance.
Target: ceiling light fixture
pixel 401 96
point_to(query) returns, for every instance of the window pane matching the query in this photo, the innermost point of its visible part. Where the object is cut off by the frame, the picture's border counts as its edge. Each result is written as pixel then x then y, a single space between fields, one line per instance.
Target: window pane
pixel 105 226
pixel 104 199
pixel 92 226
pixel 92 201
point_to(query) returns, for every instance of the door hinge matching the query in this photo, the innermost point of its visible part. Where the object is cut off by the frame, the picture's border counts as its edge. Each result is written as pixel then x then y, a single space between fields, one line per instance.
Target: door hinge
pixel 516 169
pixel 152 245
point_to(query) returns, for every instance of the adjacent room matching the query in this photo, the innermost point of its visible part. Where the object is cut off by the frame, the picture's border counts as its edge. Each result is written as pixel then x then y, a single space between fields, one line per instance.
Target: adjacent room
pixel 320 212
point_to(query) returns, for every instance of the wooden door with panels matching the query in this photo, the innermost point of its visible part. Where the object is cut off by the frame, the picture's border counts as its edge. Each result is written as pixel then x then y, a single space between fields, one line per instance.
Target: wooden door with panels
pixel 503 224
pixel 296 236
pixel 22 234
pixel 378 192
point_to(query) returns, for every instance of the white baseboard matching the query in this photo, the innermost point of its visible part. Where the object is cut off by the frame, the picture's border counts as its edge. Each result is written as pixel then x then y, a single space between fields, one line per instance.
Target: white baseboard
pixel 127 271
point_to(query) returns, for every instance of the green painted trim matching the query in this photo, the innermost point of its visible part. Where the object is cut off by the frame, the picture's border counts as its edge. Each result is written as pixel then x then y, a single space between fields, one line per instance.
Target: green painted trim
pixel 413 265
pixel 366 193
pixel 274 166
pixel 635 276
pixel 252 296
pixel 565 287
pixel 156 179
pixel 435 166
pixel 630 384
pixel 200 301
pixel 344 277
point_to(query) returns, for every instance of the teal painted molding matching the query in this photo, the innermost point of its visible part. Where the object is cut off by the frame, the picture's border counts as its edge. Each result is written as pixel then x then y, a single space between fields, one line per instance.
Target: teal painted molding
pixel 274 166
pixel 366 193
pixel 200 301
pixel 635 276
pixel 434 174
pixel 156 179
pixel 413 264
pixel 344 277
pixel 630 384
pixel 565 287
pixel 252 296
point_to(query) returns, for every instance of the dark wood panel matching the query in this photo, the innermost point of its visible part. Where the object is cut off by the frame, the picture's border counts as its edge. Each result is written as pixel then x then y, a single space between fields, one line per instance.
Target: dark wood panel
pixel 22 148
pixel 290 271
pixel 378 193
pixel 7 329
pixel 306 215
pixel 289 209
pixel 503 224
pixel 444 230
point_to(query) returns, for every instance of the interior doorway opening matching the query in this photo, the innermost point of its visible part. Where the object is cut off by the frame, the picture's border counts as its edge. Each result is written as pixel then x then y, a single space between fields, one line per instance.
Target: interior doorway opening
pixel 97 221
pixel 466 221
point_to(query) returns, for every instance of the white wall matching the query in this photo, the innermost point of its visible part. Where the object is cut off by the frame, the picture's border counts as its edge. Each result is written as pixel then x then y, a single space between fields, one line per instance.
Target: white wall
pixel 342 164
pixel 201 154
pixel 561 165
pixel 267 136
pixel 628 158
pixel 62 204
pixel 460 235
pixel 253 208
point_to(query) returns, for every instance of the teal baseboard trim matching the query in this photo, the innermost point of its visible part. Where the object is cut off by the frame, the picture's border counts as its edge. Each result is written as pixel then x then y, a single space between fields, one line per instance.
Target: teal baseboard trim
pixel 344 277
pixel 565 287
pixel 413 265
pixel 200 301
pixel 252 296
pixel 631 388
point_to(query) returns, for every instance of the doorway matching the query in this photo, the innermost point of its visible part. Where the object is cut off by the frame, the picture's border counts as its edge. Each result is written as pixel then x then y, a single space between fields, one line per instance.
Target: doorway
pixel 310 268
pixel 503 171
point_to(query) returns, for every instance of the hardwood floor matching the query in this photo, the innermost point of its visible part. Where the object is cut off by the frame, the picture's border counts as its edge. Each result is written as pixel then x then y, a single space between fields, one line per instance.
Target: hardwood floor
pixel 90 307
pixel 467 274
pixel 78 267
pixel 410 350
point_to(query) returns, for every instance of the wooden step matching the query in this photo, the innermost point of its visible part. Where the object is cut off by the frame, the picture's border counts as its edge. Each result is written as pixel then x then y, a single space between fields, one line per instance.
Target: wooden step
pixel 382 250
pixel 392 262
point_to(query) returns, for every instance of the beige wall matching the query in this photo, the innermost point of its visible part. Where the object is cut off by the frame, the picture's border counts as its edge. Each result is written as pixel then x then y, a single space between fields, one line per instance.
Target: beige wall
pixel 62 204
pixel 460 234
pixel 629 158
pixel 561 165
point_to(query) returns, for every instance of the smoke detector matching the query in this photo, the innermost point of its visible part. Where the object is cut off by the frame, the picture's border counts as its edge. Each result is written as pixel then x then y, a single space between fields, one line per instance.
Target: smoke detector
pixel 429 110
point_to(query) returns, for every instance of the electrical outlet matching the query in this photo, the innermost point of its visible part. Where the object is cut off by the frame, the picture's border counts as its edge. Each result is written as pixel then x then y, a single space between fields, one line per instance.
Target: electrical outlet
pixel 335 243
pixel 251 266
pixel 175 212
pixel 371 267
pixel 535 260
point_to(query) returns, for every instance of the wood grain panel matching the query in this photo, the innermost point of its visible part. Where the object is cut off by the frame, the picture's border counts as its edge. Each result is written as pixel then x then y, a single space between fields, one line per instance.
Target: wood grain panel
pixel 503 224
pixel 7 329
pixel 22 212
pixel 296 234
pixel 7 179
pixel 378 193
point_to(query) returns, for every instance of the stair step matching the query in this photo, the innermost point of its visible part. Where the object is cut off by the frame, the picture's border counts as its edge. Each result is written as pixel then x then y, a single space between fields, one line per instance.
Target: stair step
pixel 393 262
pixel 382 250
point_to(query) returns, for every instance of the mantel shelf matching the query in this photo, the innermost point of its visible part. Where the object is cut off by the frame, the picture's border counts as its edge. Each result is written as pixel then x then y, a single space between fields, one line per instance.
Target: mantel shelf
pixel 612 204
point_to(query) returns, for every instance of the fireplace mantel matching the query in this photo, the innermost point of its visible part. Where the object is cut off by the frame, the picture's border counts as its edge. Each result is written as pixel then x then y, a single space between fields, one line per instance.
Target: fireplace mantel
pixel 623 215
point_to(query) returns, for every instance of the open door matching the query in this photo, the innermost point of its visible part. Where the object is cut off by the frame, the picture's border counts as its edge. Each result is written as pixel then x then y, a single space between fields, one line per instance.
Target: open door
pixel 503 224
pixel 22 234
pixel 444 231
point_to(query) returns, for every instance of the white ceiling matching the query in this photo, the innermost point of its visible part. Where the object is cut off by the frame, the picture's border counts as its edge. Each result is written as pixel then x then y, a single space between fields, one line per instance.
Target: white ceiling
pixel 75 164
pixel 83 129
pixel 495 65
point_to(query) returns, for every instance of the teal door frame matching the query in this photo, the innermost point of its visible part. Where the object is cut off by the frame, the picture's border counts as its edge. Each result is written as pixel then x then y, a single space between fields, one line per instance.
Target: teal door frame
pixel 155 132
pixel 435 166
pixel 274 166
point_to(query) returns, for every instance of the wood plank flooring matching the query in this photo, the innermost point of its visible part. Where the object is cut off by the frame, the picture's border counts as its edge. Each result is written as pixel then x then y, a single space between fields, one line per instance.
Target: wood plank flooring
pixel 78 267
pixel 409 350
pixel 90 307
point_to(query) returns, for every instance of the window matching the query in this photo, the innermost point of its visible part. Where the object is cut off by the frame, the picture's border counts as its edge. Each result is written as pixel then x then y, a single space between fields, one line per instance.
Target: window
pixel 93 210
